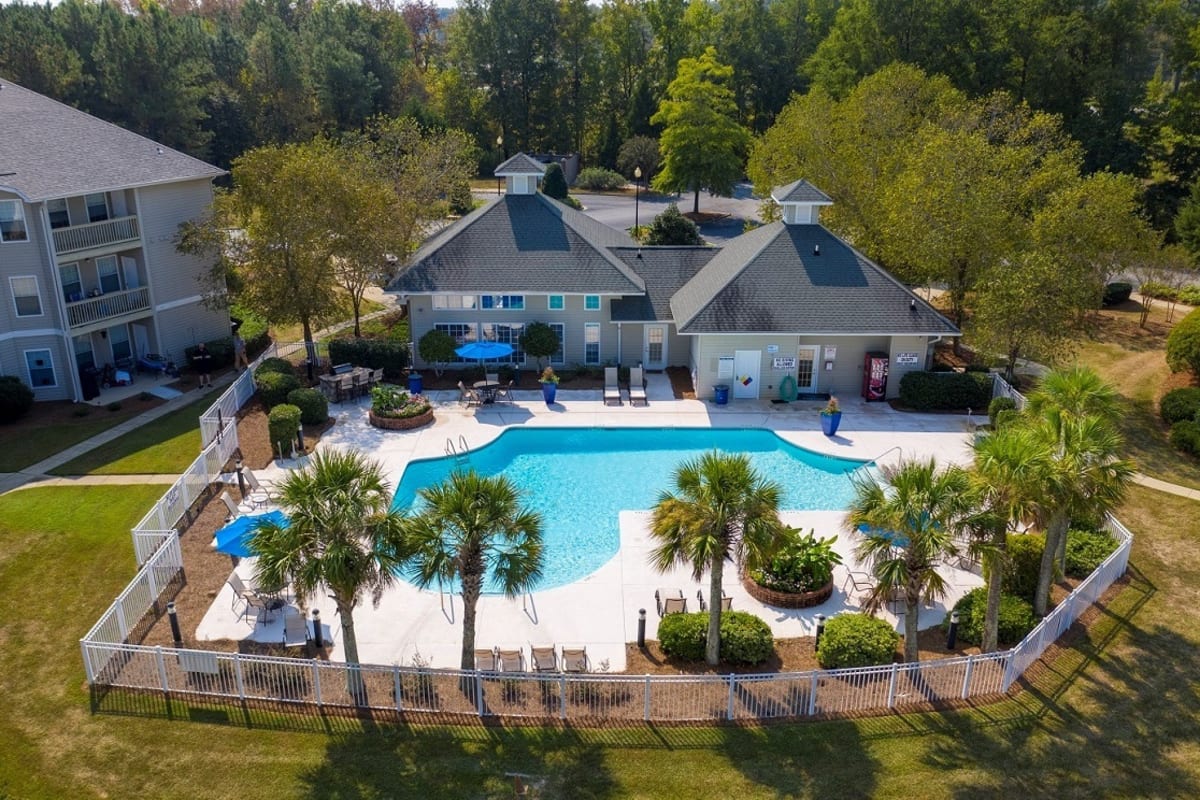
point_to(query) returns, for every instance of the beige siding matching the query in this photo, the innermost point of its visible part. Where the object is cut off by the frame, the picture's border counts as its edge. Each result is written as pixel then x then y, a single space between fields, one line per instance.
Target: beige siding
pixel 173 275
pixel 12 354
pixel 182 327
pixel 28 258
pixel 633 337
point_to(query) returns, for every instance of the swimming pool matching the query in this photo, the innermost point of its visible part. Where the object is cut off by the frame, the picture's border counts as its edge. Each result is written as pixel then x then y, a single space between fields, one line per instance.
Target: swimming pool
pixel 579 479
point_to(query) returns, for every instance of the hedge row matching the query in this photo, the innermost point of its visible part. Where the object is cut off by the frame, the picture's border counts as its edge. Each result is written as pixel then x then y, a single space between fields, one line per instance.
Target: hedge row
pixel 391 357
pixel 946 391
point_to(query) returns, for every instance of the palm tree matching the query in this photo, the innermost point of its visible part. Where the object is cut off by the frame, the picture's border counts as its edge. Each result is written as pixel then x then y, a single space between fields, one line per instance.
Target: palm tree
pixel 341 535
pixel 471 527
pixel 910 519
pixel 723 512
pixel 1010 465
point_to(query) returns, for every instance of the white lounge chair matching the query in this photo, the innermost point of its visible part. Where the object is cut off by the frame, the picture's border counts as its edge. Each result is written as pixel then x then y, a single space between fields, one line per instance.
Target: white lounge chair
pixel 295 629
pixel 612 389
pixel 260 493
pixel 251 598
pixel 637 387
pixel 236 509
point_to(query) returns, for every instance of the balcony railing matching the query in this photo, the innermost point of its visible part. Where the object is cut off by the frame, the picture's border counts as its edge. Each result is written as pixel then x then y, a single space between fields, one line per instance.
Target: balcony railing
pixel 95 234
pixel 107 306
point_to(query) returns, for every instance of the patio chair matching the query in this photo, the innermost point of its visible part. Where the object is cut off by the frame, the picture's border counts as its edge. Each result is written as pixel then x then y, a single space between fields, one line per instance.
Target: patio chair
pixel 468 395
pixel 345 388
pixel 486 660
pixel 504 394
pixel 376 378
pixel 574 659
pixel 295 629
pixel 260 494
pixel 612 389
pixel 670 601
pixel 637 387
pixel 491 377
pixel 859 581
pixel 250 597
pixel 358 383
pixel 511 660
pixel 726 601
pixel 544 659
pixel 236 509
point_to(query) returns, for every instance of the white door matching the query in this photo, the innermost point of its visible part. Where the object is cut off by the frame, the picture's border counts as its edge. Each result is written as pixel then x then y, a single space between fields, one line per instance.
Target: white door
pixel 746 364
pixel 141 339
pixel 654 347
pixel 806 369
pixel 129 267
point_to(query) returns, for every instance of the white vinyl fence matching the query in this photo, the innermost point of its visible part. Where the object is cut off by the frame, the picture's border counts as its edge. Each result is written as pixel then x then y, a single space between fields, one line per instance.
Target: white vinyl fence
pixel 1002 388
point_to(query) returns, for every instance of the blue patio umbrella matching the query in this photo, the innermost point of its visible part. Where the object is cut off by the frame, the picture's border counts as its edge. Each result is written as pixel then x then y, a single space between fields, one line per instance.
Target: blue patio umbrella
pixel 484 350
pixel 232 538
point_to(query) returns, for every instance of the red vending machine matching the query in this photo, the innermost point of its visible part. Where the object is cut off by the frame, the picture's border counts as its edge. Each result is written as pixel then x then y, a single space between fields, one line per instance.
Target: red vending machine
pixel 875 375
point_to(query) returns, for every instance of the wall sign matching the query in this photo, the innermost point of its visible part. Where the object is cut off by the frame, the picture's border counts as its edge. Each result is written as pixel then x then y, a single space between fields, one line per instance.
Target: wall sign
pixel 783 363
pixel 725 367
pixel 830 353
pixel 772 348
pixel 907 358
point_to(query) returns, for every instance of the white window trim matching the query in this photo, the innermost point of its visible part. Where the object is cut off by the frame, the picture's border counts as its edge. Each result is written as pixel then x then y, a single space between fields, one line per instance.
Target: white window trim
pixel 561 329
pixel 87 209
pixel 599 302
pixel 29 372
pixel 41 305
pixel 472 324
pixel 66 205
pixel 562 297
pixel 599 344
pixel 20 206
pixel 524 304
pixel 445 296
pixel 116 265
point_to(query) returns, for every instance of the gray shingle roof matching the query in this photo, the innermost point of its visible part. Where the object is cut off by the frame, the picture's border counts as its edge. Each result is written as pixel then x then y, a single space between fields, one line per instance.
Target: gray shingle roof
pixel 800 191
pixel 520 164
pixel 769 281
pixel 665 270
pixel 522 243
pixel 50 150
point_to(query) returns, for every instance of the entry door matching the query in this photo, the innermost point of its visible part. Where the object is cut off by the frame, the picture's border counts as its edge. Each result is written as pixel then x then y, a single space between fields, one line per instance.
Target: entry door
pixel 746 364
pixel 654 347
pixel 141 339
pixel 806 369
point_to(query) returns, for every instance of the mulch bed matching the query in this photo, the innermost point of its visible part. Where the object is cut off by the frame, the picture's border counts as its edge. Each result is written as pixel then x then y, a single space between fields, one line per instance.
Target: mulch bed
pixel 681 383
pixel 254 441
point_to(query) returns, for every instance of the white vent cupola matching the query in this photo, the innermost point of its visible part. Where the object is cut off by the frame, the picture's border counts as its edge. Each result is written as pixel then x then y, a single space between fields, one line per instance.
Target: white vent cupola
pixel 521 174
pixel 801 202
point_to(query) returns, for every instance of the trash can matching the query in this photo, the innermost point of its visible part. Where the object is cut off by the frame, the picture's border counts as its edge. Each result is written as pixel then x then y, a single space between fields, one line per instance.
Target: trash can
pixel 414 383
pixel 722 393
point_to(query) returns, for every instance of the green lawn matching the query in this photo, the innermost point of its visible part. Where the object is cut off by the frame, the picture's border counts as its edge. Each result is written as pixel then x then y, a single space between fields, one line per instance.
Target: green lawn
pixel 166 445
pixel 41 435
pixel 1115 717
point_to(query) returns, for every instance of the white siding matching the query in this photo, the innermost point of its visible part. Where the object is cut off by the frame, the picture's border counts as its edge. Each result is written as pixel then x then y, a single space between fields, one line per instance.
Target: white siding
pixel 182 327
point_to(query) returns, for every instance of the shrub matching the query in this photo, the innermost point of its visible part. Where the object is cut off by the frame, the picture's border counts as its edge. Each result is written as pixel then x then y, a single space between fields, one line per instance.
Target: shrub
pixel 283 423
pixel 254 329
pixel 314 408
pixel 745 639
pixel 553 183
pixel 1024 559
pixel 928 391
pixel 804 564
pixel 274 387
pixel 1178 405
pixel 856 640
pixel 395 403
pixel 998 407
pixel 15 398
pixel 279 366
pixel 436 347
pixel 113 406
pixel 1190 295
pixel 1159 291
pixel 1116 293
pixel 540 341
pixel 1086 550
pixel 391 357
pixel 599 178
pixel 220 350
pixel 1183 344
pixel 1185 436
pixel 1016 617
pixel 671 227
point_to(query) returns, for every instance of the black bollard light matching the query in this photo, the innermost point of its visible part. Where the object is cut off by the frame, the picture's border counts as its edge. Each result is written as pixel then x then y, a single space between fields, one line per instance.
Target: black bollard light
pixel 308 364
pixel 642 627
pixel 300 439
pixel 237 465
pixel 820 631
pixel 174 620
pixel 317 628
pixel 952 634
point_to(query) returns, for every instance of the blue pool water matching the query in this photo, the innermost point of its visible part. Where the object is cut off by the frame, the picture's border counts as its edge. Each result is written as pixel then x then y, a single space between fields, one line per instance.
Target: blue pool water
pixel 578 479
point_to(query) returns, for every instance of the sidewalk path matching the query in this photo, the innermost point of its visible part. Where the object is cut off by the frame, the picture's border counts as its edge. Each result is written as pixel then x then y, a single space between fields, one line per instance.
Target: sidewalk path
pixel 1164 486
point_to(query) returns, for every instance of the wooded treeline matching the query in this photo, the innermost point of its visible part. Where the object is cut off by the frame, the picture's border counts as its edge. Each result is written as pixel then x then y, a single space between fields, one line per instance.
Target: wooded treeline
pixel 218 77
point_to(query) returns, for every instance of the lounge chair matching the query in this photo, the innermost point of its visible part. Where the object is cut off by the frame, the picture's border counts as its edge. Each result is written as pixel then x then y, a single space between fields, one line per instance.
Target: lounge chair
pixel 295 629
pixel 574 659
pixel 260 494
pixel 637 387
pixel 544 659
pixel 236 509
pixel 861 581
pixel 612 389
pixel 511 660
pixel 250 597
pixel 487 661
pixel 726 600
pixel 670 601
pixel 467 395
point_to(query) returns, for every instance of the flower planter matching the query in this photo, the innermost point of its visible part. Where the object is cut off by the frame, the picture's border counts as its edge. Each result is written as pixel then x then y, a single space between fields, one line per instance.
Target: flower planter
pixel 397 424
pixel 830 422
pixel 548 392
pixel 787 599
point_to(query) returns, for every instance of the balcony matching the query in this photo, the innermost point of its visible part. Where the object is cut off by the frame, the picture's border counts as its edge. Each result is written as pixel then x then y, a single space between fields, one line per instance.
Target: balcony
pixel 108 306
pixel 94 235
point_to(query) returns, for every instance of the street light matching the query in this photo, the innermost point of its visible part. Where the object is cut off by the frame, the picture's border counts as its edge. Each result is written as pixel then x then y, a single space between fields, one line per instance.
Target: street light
pixel 637 192
pixel 500 152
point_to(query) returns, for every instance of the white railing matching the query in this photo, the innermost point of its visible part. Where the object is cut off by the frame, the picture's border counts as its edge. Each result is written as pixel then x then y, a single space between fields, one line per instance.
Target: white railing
pixel 1002 388
pixel 95 234
pixel 225 408
pixel 107 306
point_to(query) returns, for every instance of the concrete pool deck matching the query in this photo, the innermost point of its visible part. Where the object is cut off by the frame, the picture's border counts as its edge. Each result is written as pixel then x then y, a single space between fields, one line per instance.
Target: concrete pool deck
pixel 601 610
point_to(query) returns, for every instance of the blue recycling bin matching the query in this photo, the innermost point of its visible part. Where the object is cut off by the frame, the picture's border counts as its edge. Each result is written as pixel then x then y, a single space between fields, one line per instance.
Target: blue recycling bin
pixel 414 383
pixel 721 390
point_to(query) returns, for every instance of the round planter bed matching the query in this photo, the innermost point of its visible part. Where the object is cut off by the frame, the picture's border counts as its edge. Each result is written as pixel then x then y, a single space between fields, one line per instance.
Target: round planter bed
pixel 405 424
pixel 787 599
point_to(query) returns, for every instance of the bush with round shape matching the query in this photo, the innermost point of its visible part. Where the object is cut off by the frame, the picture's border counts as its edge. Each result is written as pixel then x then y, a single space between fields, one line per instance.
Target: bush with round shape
pixel 554 184
pixel 314 408
pixel 997 410
pixel 684 635
pixel 1159 291
pixel 1178 405
pixel 1183 344
pixel 436 347
pixel 599 178
pixel 745 638
pixel 672 227
pixel 540 341
pixel 1015 620
pixel 1023 560
pixel 1185 436
pixel 1086 550
pixel 15 398
pixel 1190 295
pixel 279 366
pixel 1116 293
pixel 857 640
pixel 283 423
pixel 274 387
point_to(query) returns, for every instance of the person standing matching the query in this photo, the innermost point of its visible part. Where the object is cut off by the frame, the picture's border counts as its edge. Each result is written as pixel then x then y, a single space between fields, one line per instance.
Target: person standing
pixel 239 353
pixel 202 361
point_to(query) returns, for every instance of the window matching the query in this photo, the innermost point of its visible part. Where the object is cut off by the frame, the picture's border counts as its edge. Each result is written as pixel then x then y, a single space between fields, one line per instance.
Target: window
pixel 60 217
pixel 84 357
pixel 461 333
pixel 12 221
pixel 508 302
pixel 72 285
pixel 591 302
pixel 560 357
pixel 41 368
pixel 591 343
pixel 118 338
pixel 26 296
pixel 555 302
pixel 97 207
pixel 453 301
pixel 108 274
pixel 507 333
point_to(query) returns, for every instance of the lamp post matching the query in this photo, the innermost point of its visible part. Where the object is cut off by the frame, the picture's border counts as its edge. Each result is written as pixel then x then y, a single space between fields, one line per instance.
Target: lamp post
pixel 500 152
pixel 637 195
